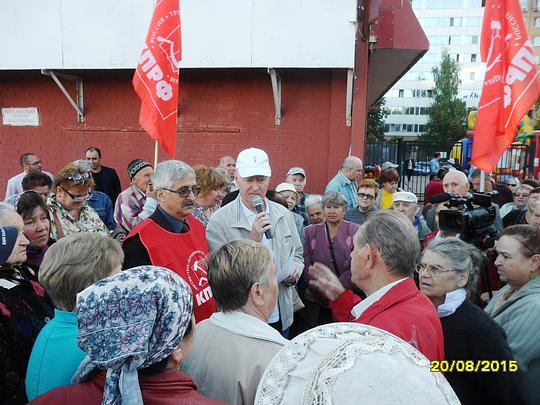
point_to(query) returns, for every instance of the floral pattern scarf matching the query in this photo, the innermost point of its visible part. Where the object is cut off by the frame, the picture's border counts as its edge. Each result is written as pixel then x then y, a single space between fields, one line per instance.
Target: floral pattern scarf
pixel 129 321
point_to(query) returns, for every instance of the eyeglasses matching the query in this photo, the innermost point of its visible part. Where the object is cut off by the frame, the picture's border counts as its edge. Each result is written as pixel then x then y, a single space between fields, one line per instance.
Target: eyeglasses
pixel 78 198
pixel 79 177
pixel 511 185
pixel 185 191
pixel 37 162
pixel 368 196
pixel 433 270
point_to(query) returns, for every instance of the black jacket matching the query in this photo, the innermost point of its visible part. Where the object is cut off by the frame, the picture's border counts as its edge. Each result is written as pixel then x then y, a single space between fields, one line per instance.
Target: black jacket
pixel 109 184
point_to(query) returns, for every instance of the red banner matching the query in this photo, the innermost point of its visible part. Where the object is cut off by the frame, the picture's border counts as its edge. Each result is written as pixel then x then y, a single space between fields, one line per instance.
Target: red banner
pixel 156 76
pixel 511 84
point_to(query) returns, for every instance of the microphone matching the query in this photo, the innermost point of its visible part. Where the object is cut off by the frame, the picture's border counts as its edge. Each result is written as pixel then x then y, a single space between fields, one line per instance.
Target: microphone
pixel 258 203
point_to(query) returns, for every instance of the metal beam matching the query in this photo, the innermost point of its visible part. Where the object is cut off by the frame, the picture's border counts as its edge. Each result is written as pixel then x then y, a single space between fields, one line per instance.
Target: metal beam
pixel 79 104
pixel 349 97
pixel 276 89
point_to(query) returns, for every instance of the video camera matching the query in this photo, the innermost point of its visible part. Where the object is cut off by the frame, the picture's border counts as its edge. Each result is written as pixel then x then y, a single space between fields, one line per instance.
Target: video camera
pixel 471 217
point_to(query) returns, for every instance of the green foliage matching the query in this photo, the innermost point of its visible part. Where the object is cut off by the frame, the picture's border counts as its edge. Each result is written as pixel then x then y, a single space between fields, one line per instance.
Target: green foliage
pixel 447 115
pixel 375 122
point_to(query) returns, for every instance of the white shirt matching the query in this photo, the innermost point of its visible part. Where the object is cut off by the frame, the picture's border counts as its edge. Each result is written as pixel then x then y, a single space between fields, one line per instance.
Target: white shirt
pixel 361 307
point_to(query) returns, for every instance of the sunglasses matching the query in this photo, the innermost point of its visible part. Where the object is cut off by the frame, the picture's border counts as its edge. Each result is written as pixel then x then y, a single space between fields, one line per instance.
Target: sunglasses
pixel 78 198
pixel 368 196
pixel 185 191
pixel 78 177
pixel 511 185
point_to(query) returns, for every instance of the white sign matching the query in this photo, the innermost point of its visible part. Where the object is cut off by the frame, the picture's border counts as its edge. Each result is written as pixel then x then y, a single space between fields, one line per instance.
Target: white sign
pixel 20 117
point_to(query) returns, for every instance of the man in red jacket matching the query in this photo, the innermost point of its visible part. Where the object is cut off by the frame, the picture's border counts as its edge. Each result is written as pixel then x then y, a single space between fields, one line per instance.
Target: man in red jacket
pixel 385 252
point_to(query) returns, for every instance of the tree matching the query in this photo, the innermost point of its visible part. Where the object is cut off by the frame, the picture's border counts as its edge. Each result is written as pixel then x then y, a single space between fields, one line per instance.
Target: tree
pixel 447 114
pixel 375 122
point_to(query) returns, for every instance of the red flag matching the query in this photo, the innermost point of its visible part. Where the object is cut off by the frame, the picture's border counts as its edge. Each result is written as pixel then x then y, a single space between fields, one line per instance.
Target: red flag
pixel 511 84
pixel 156 76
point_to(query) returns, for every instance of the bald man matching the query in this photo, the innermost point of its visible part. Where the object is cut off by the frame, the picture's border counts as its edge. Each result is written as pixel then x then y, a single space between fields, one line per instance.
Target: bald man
pixel 344 181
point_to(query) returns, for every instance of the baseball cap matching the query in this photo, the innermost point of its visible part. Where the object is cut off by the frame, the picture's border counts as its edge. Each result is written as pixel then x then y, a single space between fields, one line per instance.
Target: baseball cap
pixel 8 238
pixel 404 196
pixel 253 162
pixel 296 170
pixel 388 165
pixel 451 161
pixel 285 187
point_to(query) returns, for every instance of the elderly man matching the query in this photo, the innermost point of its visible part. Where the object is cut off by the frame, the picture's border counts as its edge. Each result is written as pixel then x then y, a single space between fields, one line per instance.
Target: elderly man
pixel 272 224
pixel 171 237
pixel 228 164
pixel 344 181
pixel 30 163
pixel 407 204
pixel 382 263
pixel 243 278
pixel 106 179
pixel 297 177
pixel 138 201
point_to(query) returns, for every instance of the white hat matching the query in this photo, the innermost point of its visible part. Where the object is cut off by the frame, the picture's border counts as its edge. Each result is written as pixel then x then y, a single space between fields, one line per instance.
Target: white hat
pixel 451 161
pixel 404 196
pixel 388 165
pixel 296 170
pixel 253 162
pixel 285 187
pixel 322 365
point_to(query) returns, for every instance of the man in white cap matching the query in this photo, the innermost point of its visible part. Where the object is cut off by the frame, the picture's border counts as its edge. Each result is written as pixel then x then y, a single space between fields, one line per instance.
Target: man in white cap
pixel 407 204
pixel 344 181
pixel 268 223
pixel 297 177
pixel 388 165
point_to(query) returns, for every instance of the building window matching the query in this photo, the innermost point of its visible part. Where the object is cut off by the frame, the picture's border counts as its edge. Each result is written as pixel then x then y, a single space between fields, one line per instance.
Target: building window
pixel 536 41
pixel 400 93
pixel 474 40
pixel 429 93
pixel 537 5
pixel 537 21
pixel 472 75
pixel 523 4
pixel 473 57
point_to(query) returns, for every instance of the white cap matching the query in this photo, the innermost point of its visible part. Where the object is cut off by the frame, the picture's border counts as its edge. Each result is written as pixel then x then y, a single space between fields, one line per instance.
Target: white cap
pixel 404 196
pixel 253 162
pixel 296 170
pixel 285 187
pixel 451 161
pixel 388 165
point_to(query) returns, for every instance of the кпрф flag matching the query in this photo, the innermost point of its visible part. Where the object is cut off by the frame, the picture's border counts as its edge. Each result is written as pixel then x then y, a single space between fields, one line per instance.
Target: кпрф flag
pixel 511 84
pixel 156 76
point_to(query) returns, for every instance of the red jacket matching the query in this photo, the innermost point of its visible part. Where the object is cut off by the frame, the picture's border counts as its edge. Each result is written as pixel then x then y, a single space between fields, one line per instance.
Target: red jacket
pixel 403 311
pixel 166 388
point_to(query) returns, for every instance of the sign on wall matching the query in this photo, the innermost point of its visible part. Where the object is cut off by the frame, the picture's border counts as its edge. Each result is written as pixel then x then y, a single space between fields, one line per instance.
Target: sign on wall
pixel 20 117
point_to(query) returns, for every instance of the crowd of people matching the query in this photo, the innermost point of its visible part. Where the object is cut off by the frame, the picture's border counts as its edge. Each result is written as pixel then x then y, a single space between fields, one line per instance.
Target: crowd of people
pixel 201 285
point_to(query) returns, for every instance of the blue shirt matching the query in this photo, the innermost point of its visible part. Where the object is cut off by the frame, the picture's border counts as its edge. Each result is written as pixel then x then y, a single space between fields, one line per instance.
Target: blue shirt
pixel 434 166
pixel 55 356
pixel 102 204
pixel 343 185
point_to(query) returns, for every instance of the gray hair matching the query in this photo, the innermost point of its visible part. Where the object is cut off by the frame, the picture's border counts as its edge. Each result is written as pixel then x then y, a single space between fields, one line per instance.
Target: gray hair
pixel 6 209
pixel 527 187
pixel 334 198
pixel 313 200
pixel 351 161
pixel 395 237
pixel 464 258
pixel 169 172
pixel 76 262
pixel 234 268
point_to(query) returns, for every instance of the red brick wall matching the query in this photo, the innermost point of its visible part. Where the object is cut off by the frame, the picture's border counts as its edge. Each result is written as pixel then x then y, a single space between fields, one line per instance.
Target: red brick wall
pixel 222 111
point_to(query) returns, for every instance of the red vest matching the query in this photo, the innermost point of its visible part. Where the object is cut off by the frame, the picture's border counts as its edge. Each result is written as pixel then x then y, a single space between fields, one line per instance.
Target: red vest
pixel 185 254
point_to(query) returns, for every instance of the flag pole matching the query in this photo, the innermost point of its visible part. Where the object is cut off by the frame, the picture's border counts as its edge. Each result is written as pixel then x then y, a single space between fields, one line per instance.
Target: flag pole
pixel 155 153
pixel 482 181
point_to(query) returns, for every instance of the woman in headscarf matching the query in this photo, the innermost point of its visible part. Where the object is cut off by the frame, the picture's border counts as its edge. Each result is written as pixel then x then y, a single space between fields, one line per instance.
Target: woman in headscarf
pixel 136 328
pixel 24 307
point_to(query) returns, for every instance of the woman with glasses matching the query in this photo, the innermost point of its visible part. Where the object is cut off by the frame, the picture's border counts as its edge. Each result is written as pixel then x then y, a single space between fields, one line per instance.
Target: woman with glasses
pixel 68 205
pixel 521 194
pixel 210 195
pixel 365 199
pixel 516 306
pixel 448 272
pixel 331 244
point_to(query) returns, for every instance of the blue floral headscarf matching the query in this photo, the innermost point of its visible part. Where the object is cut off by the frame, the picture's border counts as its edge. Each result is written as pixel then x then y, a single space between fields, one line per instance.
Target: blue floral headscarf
pixel 129 321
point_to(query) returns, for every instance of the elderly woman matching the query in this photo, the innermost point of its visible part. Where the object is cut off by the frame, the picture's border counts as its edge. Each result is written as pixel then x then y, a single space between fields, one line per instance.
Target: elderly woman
pixel 448 273
pixel 243 280
pixel 68 206
pixel 37 226
pixel 291 197
pixel 521 194
pixel 24 307
pixel 389 185
pixel 331 244
pixel 64 273
pixel 314 208
pixel 209 198
pixel 365 199
pixel 145 316
pixel 516 306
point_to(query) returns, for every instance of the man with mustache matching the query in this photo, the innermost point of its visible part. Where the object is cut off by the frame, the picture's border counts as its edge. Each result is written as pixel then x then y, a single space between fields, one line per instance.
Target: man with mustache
pixel 171 237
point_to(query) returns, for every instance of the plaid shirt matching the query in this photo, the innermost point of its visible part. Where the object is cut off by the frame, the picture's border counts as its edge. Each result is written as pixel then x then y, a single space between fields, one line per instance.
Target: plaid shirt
pixel 132 207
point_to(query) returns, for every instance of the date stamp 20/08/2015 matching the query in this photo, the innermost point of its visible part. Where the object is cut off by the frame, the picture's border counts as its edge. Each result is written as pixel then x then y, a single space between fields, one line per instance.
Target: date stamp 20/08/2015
pixel 473 366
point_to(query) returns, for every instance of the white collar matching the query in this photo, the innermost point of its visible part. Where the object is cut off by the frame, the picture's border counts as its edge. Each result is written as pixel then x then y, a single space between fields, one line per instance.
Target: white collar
pixel 246 325
pixel 360 308
pixel 452 302
pixel 248 214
